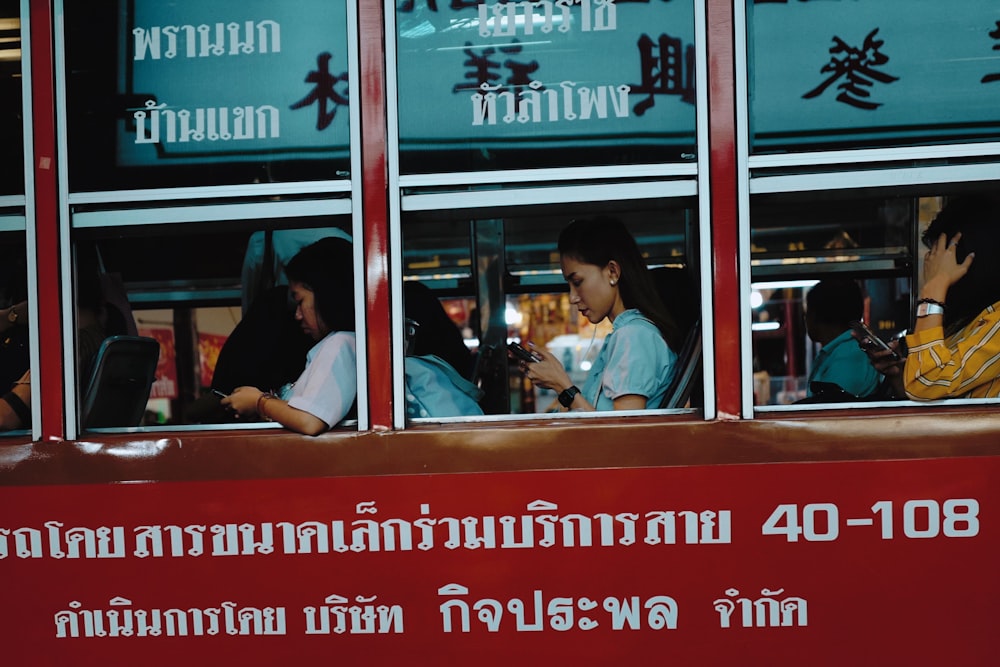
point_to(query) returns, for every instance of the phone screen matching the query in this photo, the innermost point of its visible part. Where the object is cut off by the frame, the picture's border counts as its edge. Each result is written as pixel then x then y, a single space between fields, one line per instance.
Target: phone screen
pixel 522 353
pixel 869 340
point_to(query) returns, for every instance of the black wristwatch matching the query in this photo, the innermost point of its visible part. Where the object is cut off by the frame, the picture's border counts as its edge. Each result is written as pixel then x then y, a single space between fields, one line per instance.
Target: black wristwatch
pixel 566 396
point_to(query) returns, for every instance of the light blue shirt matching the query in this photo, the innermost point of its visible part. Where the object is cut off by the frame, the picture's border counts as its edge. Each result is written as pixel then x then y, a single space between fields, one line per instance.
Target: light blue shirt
pixel 634 359
pixel 843 363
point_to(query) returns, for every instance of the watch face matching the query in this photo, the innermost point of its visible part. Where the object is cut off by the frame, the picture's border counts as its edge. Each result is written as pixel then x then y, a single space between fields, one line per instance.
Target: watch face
pixel 925 309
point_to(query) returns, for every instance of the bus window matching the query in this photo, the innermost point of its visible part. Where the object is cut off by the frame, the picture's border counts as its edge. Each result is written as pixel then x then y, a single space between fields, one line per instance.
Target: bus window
pixel 213 295
pixel 517 88
pixel 259 94
pixel 15 406
pixel 11 113
pixel 497 273
pixel 867 249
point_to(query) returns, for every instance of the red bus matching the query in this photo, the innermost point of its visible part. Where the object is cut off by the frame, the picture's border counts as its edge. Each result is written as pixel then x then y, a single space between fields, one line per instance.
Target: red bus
pixel 753 148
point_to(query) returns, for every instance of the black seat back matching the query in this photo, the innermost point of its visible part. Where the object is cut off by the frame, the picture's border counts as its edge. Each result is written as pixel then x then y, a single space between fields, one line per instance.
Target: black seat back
pixel 120 381
pixel 688 374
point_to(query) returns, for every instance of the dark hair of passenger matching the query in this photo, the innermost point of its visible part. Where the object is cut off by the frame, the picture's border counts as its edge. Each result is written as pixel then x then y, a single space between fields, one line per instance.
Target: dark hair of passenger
pixel 436 334
pixel 326 268
pixel 599 240
pixel 978 218
pixel 837 301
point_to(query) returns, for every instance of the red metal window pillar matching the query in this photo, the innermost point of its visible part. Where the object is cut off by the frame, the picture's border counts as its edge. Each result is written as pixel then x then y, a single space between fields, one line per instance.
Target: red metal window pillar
pixel 724 206
pixel 375 185
pixel 51 412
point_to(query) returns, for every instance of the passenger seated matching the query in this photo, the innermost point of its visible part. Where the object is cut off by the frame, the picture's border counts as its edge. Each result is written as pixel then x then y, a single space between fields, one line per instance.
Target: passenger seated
pixel 95 320
pixel 608 279
pixel 954 350
pixel 435 332
pixel 841 366
pixel 437 362
pixel 321 282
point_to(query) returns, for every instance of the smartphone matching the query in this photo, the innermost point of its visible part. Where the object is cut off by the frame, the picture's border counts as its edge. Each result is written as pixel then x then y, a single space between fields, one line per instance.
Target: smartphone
pixel 869 340
pixel 521 353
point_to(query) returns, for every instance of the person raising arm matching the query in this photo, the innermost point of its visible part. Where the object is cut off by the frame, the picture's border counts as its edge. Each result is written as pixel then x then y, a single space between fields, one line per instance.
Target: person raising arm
pixel 954 350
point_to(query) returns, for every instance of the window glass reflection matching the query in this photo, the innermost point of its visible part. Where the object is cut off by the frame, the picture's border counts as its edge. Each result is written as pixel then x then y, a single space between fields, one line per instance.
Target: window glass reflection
pixel 524 85
pixel 11 115
pixel 164 94
pixel 867 74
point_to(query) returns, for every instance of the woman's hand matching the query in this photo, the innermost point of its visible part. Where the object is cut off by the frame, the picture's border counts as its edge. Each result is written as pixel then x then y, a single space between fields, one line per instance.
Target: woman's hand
pixel 547 373
pixel 942 269
pixel 243 401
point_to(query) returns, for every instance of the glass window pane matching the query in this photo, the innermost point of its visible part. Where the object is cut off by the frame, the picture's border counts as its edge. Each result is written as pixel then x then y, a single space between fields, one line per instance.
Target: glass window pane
pixel 856 74
pixel 166 94
pixel 497 275
pixel 823 259
pixel 520 84
pixel 14 333
pixel 215 298
pixel 11 116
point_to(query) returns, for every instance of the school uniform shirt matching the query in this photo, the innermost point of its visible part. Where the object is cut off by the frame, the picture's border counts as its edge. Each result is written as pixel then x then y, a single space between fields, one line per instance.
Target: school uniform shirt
pixel 963 365
pixel 842 362
pixel 329 384
pixel 634 359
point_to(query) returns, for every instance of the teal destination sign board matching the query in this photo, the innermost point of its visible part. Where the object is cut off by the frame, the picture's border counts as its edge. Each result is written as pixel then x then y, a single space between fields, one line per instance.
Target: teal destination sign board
pixel 828 73
pixel 228 81
pixel 538 76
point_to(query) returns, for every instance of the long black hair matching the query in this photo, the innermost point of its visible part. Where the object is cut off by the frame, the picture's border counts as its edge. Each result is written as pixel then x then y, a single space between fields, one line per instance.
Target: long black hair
pixel 327 268
pixel 599 240
pixel 978 218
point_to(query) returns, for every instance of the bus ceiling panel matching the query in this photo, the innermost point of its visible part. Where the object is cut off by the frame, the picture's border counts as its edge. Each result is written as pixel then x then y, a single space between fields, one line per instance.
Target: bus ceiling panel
pixel 820 267
pixel 912 176
pixel 210 213
pixel 503 198
pixel 12 223
pixel 193 295
pixel 884 155
pixel 308 189
pixel 550 175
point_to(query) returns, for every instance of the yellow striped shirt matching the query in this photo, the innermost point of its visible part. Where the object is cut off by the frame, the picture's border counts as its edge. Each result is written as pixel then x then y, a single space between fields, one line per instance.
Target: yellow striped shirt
pixel 965 365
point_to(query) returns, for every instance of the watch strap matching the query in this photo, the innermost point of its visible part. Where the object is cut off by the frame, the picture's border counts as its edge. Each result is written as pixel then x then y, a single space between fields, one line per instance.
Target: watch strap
pixel 567 395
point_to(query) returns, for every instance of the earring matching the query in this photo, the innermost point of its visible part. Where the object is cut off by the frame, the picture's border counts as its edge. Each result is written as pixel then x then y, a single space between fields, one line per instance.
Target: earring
pixel 613 282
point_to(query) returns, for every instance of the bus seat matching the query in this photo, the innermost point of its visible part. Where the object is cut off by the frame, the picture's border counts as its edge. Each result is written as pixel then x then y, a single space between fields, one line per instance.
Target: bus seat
pixel 120 381
pixel 688 373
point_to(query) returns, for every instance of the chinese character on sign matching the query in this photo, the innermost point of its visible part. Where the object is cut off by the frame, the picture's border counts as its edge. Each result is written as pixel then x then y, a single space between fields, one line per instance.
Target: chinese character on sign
pixel 989 78
pixel 482 70
pixel 859 68
pixel 324 92
pixel 669 73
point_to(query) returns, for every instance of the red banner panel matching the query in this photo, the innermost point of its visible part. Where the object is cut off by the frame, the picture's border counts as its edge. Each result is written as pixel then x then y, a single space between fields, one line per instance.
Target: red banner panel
pixel 209 346
pixel 875 563
pixel 165 385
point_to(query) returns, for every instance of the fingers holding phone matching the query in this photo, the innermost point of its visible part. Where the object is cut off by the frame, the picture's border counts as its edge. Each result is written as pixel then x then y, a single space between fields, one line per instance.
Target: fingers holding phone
pixel 870 342
pixel 523 354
